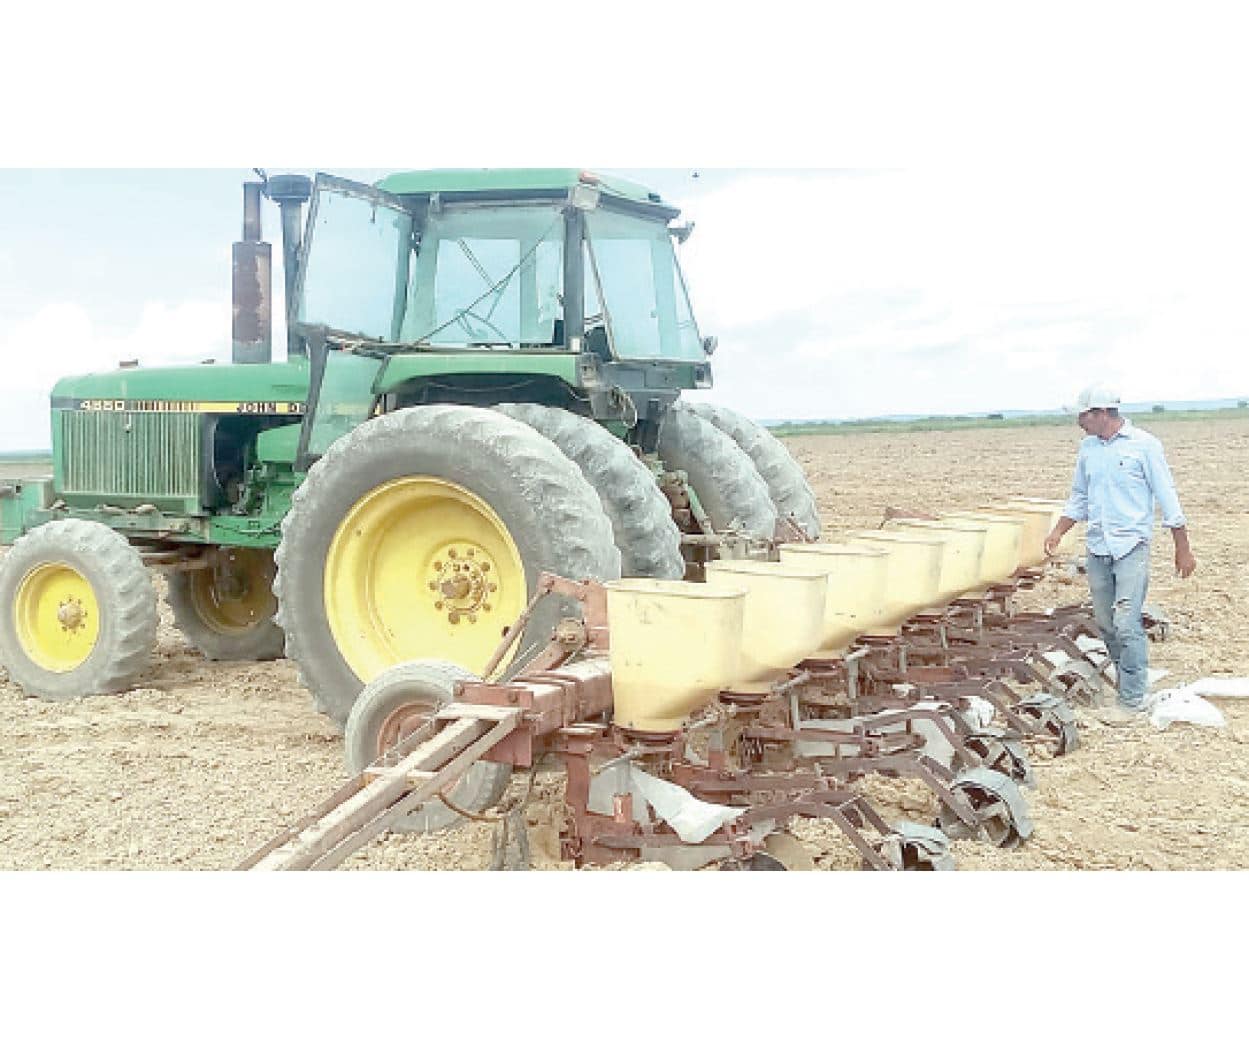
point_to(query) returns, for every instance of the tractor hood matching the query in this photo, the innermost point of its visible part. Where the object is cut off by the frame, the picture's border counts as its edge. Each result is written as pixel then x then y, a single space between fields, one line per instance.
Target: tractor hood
pixel 248 389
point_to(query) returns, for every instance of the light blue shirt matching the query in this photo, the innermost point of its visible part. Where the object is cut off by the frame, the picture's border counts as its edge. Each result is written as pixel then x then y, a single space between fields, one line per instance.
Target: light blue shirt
pixel 1116 485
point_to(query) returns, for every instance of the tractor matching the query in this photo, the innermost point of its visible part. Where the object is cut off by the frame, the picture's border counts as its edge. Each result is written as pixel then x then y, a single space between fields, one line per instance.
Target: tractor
pixel 484 381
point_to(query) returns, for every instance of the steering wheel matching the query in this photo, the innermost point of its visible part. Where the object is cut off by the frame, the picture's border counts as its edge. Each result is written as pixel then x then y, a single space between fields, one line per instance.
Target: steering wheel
pixel 462 319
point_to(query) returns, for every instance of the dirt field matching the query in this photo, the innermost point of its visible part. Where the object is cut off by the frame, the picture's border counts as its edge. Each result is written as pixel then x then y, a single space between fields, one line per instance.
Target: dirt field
pixel 207 761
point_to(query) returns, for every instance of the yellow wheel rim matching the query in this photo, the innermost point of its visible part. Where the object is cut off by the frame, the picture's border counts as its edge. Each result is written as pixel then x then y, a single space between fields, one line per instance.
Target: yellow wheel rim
pixel 421 568
pixel 58 617
pixel 237 594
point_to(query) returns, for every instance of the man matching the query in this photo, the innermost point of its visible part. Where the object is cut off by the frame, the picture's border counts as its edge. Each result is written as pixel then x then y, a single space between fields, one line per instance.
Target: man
pixel 1120 473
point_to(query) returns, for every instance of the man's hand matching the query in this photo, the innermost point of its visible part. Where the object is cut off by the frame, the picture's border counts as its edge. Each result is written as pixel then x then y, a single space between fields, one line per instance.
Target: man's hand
pixel 1185 561
pixel 1061 528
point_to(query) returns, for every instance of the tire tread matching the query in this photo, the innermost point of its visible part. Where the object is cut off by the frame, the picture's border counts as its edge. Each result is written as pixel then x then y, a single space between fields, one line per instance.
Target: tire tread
pixel 728 486
pixel 788 488
pixel 641 518
pixel 125 582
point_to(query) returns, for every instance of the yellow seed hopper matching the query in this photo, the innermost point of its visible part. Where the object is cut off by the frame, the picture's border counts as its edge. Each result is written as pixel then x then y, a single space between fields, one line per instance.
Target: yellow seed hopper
pixel 856 589
pixel 1037 525
pixel 964 555
pixel 912 575
pixel 674 647
pixel 783 619
pixel 1004 544
pixel 1053 505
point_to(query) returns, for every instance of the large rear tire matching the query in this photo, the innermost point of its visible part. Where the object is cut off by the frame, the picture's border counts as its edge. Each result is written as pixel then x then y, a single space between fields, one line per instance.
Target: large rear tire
pixel 787 484
pixel 422 535
pixel 226 611
pixel 641 517
pixel 395 704
pixel 77 611
pixel 729 489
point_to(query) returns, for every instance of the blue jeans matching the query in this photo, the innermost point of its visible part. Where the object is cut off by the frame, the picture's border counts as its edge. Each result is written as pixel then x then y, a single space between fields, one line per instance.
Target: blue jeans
pixel 1118 588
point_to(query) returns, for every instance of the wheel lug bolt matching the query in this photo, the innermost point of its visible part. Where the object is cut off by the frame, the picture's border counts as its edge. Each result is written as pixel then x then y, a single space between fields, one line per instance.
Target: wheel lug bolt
pixel 454 619
pixel 438 605
pixel 485 567
pixel 433 586
pixel 437 565
pixel 452 554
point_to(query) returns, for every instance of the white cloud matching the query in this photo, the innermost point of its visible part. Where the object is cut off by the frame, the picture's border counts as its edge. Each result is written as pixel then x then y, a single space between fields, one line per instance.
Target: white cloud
pixel 61 339
pixel 852 294
pixel 955 290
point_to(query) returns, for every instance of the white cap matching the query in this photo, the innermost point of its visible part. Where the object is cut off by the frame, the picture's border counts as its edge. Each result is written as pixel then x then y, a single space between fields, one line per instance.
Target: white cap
pixel 1096 396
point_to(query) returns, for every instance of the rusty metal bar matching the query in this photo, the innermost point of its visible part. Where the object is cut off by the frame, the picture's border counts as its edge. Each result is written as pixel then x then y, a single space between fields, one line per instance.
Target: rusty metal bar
pixel 361 810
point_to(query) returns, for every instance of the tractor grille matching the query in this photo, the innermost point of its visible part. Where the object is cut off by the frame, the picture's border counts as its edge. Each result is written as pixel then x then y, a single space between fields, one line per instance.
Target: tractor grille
pixel 131 454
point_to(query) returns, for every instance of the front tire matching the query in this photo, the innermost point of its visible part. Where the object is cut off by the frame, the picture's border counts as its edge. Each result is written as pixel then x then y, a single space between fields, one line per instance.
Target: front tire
pixel 77 611
pixel 422 534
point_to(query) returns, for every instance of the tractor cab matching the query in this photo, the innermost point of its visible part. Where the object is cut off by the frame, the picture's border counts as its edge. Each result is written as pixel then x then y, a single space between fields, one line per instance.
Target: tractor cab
pixel 555 263
pixel 498 260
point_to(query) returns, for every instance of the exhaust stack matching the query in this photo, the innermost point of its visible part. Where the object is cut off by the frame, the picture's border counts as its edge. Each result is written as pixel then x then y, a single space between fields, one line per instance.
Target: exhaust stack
pixel 252 336
pixel 290 192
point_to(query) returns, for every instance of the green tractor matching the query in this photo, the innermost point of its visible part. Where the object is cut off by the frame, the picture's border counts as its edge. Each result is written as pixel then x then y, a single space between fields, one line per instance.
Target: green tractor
pixel 483 382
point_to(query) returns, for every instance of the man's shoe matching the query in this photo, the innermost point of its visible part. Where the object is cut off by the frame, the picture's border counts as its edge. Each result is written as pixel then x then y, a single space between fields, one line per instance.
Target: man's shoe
pixel 1119 715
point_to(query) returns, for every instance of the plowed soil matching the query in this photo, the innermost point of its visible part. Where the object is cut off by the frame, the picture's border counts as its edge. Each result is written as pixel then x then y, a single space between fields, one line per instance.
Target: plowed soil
pixel 206 761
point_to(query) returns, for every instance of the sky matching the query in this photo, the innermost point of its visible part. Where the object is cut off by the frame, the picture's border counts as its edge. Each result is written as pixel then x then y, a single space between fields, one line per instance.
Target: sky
pixel 917 209
pixel 835 294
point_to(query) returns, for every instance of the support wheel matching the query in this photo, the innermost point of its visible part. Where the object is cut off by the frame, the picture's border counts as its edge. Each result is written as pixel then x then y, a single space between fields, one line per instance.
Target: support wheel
pixel 1055 717
pixel 729 488
pixel 1001 813
pixel 422 534
pixel 1002 755
pixel 395 705
pixel 913 847
pixel 227 610
pixel 1079 683
pixel 78 613
pixel 641 518
pixel 787 484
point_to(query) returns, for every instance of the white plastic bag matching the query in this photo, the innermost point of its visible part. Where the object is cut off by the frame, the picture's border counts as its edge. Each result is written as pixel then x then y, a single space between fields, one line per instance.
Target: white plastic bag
pixel 1182 705
pixel 1218 688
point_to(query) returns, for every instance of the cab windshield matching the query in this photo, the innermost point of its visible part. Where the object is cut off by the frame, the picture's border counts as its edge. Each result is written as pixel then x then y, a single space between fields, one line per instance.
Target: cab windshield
pixel 490 276
pixel 487 278
pixel 634 285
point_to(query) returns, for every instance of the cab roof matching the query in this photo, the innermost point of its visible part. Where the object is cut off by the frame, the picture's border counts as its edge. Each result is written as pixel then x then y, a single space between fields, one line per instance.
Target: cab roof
pixel 512 182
